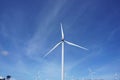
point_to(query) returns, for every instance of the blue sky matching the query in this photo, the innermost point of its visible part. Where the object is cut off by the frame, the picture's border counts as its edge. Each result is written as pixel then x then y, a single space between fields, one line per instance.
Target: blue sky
pixel 30 28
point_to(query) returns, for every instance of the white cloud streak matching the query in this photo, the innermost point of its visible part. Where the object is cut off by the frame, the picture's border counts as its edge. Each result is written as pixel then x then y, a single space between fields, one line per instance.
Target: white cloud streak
pixel 37 43
pixel 5 53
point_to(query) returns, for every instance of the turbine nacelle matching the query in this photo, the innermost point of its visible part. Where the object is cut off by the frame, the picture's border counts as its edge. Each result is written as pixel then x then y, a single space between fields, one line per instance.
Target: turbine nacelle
pixel 63 40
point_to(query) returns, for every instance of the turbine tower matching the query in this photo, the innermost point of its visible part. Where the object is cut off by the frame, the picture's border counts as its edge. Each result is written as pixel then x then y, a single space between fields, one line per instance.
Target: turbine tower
pixel 62 57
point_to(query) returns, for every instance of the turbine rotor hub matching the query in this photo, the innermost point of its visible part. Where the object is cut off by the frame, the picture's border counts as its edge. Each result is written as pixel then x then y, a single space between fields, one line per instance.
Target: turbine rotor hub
pixel 62 40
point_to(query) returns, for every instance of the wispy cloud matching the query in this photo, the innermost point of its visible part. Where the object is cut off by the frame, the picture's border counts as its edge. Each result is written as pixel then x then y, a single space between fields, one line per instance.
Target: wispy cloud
pixel 50 71
pixel 4 53
pixel 94 51
pixel 112 34
pixel 37 43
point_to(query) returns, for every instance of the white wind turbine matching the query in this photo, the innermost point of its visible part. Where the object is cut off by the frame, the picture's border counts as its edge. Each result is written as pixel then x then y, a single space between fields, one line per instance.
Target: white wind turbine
pixel 116 76
pixel 91 73
pixel 62 57
pixel 37 77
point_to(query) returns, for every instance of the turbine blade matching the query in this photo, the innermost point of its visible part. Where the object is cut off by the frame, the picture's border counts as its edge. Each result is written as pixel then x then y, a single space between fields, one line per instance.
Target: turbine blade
pixel 76 45
pixel 62 31
pixel 52 49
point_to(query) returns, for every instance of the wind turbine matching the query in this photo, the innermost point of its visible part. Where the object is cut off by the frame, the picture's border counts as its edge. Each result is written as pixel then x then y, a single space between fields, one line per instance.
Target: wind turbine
pixel 37 77
pixel 62 57
pixel 116 76
pixel 91 73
